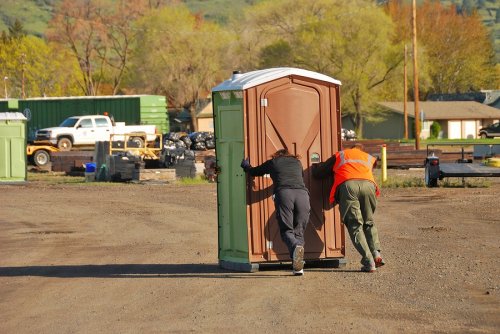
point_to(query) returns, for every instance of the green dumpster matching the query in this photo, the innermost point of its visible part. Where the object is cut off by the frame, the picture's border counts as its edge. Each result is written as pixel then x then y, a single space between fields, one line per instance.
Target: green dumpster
pixel 12 147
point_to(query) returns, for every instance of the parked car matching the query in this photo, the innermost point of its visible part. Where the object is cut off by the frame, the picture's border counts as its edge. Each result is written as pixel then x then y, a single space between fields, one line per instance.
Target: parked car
pixel 490 131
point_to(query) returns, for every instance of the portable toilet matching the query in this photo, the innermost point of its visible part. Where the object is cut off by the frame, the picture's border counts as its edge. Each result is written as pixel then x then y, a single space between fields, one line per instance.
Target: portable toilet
pixel 12 147
pixel 256 114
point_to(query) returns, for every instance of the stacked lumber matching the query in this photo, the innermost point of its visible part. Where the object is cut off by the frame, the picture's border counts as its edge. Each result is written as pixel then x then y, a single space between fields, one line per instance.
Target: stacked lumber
pixel 201 156
pixel 405 156
pixel 123 167
pixel 160 174
pixel 71 162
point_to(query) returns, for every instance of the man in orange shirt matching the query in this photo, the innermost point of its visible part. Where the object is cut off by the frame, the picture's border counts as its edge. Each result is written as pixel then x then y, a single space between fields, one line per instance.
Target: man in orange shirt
pixel 355 190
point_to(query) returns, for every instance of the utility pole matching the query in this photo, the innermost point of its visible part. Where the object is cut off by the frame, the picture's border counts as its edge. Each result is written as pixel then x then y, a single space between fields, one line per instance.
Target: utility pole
pixel 5 87
pixel 23 62
pixel 405 108
pixel 415 78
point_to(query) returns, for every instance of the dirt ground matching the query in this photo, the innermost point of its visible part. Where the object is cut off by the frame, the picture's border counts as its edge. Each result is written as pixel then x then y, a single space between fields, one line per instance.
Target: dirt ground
pixel 142 258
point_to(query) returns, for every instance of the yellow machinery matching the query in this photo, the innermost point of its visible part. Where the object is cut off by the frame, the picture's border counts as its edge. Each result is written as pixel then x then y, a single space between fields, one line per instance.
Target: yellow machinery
pixel 492 162
pixel 134 144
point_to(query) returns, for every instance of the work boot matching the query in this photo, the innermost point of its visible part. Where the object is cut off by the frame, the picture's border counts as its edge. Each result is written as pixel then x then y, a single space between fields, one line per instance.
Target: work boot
pixel 298 259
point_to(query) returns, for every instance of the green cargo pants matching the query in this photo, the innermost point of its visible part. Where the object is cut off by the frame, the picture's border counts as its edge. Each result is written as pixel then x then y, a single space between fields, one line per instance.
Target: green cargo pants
pixel 357 203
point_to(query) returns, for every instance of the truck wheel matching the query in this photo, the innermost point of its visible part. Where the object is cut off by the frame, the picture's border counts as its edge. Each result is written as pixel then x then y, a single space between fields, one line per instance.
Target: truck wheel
pixel 136 142
pixel 64 144
pixel 41 158
pixel 483 135
pixel 429 181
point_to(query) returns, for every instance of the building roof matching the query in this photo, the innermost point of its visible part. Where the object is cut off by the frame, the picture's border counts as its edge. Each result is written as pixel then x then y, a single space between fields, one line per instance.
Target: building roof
pixel 250 79
pixel 436 110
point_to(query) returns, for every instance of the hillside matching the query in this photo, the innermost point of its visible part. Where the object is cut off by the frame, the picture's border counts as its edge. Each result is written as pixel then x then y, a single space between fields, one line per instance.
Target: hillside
pixel 34 14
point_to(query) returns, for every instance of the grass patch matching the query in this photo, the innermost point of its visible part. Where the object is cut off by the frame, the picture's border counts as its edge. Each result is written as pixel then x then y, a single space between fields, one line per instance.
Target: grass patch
pixel 449 182
pixel 468 182
pixel 452 141
pixel 55 178
pixel 403 182
pixel 62 178
pixel 193 180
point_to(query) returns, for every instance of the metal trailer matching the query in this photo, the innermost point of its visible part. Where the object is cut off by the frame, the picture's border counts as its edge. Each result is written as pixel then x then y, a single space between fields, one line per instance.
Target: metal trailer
pixel 463 167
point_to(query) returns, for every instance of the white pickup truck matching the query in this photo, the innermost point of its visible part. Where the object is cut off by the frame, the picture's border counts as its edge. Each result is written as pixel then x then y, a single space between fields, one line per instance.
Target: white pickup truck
pixel 87 130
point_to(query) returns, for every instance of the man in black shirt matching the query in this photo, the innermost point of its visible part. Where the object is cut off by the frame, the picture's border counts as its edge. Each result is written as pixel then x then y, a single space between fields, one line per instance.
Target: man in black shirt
pixel 291 199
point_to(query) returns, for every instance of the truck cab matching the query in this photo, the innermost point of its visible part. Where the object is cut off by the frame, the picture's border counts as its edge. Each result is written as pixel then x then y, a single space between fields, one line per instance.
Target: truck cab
pixel 77 130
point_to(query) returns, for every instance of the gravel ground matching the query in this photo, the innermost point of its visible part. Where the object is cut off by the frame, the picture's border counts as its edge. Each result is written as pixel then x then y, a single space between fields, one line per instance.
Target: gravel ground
pixel 139 258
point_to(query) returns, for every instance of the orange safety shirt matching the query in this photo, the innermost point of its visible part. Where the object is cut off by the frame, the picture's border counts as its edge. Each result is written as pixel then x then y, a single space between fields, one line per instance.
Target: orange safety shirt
pixel 352 164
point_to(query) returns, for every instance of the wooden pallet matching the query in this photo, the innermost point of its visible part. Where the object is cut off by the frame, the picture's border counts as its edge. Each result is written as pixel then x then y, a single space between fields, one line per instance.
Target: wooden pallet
pixel 71 162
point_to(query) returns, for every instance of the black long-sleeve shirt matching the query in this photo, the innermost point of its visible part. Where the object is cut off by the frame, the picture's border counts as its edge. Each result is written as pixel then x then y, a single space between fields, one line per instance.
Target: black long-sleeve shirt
pixel 286 173
pixel 324 170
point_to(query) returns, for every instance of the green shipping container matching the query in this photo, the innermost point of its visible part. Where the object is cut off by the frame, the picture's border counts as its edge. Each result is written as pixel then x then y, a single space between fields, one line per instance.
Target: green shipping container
pixel 132 109
pixel 12 147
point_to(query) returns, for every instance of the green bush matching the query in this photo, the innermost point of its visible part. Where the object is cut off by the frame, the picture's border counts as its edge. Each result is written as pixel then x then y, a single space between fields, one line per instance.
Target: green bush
pixel 435 129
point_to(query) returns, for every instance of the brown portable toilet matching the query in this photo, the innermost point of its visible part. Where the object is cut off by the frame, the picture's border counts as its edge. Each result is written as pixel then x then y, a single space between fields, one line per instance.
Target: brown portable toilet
pixel 256 114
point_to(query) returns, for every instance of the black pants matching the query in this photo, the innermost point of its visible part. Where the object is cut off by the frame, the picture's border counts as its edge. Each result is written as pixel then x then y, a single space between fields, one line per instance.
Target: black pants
pixel 292 212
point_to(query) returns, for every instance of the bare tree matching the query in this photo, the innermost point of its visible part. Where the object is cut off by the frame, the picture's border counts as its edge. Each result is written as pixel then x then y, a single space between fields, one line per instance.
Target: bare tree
pixel 99 34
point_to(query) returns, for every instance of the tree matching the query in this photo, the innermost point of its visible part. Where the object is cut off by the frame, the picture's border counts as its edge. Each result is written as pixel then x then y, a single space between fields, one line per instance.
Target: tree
pixel 120 35
pixel 16 30
pixel 435 130
pixel 267 31
pixel 459 49
pixel 99 35
pixel 179 55
pixel 35 68
pixel 353 43
pixel 348 40
pixel 276 54
pixel 457 53
pixel 78 25
pixel 468 7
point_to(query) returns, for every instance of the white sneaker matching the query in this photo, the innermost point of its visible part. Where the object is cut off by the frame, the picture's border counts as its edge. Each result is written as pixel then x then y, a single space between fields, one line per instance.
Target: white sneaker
pixel 298 272
pixel 369 268
pixel 298 258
